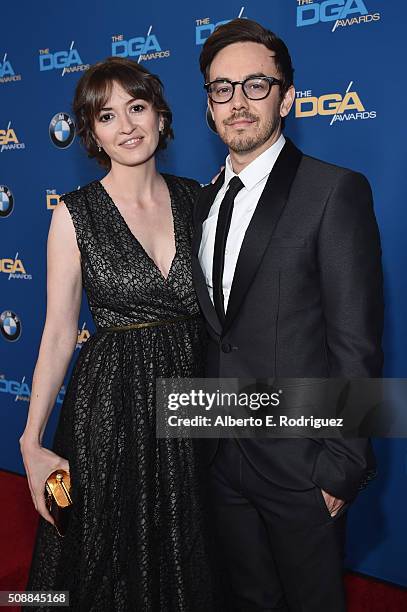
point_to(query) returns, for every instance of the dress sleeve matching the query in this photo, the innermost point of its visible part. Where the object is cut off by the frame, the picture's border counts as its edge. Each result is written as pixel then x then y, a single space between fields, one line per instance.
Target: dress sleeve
pixel 75 201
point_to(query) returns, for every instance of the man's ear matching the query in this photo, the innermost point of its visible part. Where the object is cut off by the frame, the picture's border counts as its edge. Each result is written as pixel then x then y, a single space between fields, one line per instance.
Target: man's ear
pixel 287 101
pixel 209 120
pixel 209 117
pixel 210 108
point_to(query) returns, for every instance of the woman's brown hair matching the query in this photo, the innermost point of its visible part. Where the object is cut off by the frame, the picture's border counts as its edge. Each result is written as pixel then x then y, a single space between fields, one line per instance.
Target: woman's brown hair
pixel 93 91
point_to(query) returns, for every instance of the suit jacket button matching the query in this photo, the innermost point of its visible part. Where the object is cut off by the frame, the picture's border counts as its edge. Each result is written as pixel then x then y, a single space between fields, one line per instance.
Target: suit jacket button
pixel 226 347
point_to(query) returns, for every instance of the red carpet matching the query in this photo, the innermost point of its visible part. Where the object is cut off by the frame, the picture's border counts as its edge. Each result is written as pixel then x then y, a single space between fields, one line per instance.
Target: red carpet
pixel 18 524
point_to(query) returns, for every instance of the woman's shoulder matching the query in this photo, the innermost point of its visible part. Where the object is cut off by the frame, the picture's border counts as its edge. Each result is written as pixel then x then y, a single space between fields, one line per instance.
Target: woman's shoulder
pixel 82 204
pixel 83 207
pixel 190 187
pixel 80 194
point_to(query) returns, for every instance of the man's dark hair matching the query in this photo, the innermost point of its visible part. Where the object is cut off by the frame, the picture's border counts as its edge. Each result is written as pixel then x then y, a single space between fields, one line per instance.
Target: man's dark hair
pixel 246 30
pixel 94 89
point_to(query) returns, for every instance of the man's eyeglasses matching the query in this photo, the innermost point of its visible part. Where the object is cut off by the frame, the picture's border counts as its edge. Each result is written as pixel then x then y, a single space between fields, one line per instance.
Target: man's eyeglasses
pixel 254 88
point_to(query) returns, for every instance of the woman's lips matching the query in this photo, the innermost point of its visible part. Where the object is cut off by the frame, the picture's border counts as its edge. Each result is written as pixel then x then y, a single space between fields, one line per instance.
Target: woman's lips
pixel 131 143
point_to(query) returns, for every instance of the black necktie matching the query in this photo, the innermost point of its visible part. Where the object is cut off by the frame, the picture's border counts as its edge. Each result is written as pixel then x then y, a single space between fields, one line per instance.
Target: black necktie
pixel 222 230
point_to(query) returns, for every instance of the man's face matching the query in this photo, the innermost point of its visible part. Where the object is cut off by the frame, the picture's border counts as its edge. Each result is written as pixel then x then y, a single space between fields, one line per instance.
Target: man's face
pixel 245 125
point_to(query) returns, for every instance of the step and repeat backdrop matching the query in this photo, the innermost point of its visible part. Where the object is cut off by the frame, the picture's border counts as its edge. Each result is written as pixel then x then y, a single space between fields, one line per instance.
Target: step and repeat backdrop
pixel 349 110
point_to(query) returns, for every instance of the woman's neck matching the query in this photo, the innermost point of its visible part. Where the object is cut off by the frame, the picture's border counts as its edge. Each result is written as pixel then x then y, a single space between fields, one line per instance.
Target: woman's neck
pixel 133 183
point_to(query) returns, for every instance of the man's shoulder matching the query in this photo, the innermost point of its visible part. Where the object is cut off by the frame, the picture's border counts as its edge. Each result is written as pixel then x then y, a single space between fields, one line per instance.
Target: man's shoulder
pixel 324 168
pixel 322 179
pixel 315 169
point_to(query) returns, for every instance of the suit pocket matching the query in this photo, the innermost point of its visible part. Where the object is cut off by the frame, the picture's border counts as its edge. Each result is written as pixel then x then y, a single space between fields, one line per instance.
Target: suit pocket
pixel 324 507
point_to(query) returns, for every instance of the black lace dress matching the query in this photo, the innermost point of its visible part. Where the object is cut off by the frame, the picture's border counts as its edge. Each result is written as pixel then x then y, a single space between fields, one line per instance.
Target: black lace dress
pixel 136 538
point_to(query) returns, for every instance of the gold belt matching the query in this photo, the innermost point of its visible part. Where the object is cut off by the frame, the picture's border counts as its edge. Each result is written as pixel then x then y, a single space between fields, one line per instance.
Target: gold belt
pixel 150 323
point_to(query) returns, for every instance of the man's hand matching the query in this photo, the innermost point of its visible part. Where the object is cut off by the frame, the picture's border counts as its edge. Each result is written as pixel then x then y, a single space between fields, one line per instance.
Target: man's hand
pixel 334 504
pixel 215 178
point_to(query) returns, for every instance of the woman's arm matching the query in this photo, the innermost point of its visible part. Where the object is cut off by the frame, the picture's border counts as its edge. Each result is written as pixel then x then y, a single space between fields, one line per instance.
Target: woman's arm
pixel 64 292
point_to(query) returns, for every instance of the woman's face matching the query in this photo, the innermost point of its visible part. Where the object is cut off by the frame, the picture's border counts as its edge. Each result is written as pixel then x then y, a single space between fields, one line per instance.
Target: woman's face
pixel 127 129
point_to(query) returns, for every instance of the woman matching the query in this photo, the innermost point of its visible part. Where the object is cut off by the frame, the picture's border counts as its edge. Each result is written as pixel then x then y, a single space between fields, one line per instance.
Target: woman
pixel 135 539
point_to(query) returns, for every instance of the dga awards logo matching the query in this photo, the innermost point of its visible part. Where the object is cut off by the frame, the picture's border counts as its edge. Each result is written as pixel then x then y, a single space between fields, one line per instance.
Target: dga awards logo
pixel 10 325
pixel 339 107
pixel 204 27
pixel 83 336
pixel 52 198
pixel 6 201
pixel 7 72
pixel 14 268
pixel 143 48
pixel 62 130
pixel 67 61
pixel 9 140
pixel 19 390
pixel 341 13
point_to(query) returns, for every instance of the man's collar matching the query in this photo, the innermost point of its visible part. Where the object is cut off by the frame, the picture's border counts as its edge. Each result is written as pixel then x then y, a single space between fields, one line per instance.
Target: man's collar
pixel 259 168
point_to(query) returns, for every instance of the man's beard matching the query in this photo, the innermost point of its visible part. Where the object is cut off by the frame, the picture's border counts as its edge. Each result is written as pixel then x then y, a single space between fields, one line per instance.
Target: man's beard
pixel 243 143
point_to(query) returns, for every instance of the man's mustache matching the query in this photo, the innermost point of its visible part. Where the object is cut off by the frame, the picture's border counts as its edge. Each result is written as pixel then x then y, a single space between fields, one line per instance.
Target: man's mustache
pixel 240 116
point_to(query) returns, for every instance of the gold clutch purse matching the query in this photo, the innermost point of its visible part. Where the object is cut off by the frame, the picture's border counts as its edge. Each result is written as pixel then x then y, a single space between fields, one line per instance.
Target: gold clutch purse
pixel 58 499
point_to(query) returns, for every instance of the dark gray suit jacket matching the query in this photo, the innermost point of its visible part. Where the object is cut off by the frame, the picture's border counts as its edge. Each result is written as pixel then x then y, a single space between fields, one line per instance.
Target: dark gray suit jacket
pixel 306 301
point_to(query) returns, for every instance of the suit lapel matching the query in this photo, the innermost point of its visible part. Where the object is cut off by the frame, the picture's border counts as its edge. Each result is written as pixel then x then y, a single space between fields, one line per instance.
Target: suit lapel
pixel 202 208
pixel 262 225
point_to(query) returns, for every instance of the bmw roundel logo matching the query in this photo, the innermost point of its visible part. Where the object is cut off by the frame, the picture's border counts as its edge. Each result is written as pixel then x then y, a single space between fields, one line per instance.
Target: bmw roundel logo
pixel 10 325
pixel 6 201
pixel 62 130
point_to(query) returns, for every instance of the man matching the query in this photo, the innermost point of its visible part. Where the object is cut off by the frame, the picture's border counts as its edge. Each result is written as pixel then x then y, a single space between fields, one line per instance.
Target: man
pixel 287 270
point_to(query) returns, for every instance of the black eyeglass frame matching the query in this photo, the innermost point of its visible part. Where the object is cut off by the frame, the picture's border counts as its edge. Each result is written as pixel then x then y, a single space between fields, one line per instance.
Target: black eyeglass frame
pixel 271 80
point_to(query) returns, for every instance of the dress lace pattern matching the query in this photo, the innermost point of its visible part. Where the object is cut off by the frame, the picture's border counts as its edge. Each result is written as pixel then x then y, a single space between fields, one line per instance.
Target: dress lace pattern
pixel 136 540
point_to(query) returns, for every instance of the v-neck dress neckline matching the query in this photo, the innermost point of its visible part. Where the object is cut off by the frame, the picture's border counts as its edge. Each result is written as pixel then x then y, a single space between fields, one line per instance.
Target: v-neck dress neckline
pixel 134 237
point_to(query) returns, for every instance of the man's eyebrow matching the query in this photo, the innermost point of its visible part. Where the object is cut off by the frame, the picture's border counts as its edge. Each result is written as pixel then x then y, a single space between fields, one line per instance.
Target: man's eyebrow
pixel 256 74
pixel 248 76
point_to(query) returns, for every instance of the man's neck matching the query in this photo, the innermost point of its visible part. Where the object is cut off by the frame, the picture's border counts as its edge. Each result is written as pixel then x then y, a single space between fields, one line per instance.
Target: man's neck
pixel 240 160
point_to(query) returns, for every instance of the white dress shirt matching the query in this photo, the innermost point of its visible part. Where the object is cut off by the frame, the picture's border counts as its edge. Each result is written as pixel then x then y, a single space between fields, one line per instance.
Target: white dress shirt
pixel 254 178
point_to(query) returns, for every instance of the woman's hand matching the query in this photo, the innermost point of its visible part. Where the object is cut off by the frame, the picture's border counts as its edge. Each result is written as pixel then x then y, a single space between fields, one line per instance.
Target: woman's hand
pixel 39 462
